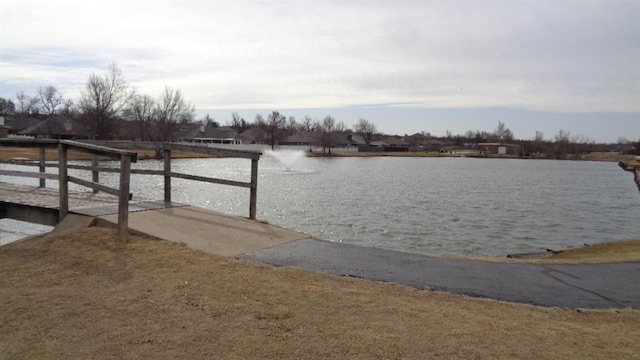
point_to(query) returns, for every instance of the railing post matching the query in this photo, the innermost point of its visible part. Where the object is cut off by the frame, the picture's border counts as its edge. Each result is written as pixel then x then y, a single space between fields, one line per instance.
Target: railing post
pixel 123 200
pixel 254 189
pixel 95 175
pixel 63 183
pixel 167 175
pixel 42 165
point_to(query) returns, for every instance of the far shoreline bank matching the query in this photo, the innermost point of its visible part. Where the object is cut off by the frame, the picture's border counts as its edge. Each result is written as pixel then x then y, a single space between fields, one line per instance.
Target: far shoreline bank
pixel 599 157
pixel 26 154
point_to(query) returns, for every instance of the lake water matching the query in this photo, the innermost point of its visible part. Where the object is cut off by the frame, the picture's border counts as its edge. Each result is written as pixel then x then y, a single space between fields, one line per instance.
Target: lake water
pixel 433 206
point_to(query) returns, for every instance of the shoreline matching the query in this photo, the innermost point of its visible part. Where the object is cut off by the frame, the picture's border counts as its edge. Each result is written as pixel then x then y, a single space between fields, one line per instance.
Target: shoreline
pixel 27 154
pixel 599 157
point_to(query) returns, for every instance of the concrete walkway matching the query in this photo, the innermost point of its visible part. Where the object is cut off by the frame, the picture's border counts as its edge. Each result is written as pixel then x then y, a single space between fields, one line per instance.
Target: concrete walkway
pixel 574 286
pixel 593 286
pixel 203 229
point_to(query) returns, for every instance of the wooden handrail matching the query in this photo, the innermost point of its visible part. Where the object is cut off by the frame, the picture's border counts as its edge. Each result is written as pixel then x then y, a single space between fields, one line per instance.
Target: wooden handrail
pixel 166 150
pixel 63 146
pixel 113 149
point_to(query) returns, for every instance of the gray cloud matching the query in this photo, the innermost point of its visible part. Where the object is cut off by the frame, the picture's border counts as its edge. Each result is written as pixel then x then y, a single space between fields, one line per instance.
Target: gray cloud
pixel 565 56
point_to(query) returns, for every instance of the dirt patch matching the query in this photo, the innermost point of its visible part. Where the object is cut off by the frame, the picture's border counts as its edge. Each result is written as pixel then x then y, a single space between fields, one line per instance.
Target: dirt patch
pixel 85 295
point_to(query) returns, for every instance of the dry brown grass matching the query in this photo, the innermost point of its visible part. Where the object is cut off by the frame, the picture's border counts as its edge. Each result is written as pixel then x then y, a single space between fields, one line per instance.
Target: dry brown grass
pixel 10 153
pixel 614 252
pixel 381 154
pixel 608 156
pixel 83 295
pixel 620 251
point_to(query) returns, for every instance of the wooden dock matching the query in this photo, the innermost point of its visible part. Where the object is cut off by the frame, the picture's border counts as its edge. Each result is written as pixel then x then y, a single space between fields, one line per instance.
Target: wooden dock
pixel 41 205
pixel 41 209
pixel 197 228
pixel 49 198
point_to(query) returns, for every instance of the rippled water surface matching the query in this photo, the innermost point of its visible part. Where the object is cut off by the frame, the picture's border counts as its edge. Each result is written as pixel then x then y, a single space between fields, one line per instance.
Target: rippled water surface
pixel 443 206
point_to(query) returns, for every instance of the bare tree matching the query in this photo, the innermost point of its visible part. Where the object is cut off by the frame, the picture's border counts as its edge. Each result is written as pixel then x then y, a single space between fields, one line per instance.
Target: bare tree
pixel 561 145
pixel 102 100
pixel 307 123
pixel 275 123
pixel 502 133
pixel 366 129
pixel 68 108
pixel 341 127
pixel 209 121
pixel 328 125
pixel 26 105
pixel 172 110
pixel 141 110
pixel 538 142
pixel 50 98
pixel 579 145
pixel 7 106
pixel 469 136
pixel 291 124
pixel 237 122
pixel 259 120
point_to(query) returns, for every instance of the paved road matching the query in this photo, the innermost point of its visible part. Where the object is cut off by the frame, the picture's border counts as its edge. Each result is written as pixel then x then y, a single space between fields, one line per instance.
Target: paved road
pixel 564 285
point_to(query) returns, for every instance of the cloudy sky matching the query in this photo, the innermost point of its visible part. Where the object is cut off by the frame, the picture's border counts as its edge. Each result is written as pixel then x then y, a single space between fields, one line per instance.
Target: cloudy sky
pixel 406 65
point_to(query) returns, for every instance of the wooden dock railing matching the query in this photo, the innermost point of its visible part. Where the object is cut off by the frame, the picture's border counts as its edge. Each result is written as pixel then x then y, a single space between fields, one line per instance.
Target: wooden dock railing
pixel 167 148
pixel 63 146
pixel 115 149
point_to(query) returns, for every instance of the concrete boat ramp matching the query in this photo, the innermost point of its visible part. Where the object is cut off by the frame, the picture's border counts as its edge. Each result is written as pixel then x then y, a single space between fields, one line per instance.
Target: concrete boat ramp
pixel 191 226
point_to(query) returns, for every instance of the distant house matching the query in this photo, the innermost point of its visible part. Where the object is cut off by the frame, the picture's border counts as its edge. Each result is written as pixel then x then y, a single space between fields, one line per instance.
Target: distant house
pixel 300 138
pixel 58 127
pixel 256 135
pixel 4 130
pixel 211 135
pixel 18 123
pixel 386 144
pixel 355 140
pixel 189 131
pixel 392 144
pixel 435 145
pixel 499 148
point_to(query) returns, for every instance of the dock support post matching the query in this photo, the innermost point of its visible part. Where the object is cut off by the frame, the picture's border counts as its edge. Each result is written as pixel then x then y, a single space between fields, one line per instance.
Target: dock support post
pixel 123 200
pixel 42 166
pixel 167 175
pixel 254 189
pixel 63 183
pixel 95 177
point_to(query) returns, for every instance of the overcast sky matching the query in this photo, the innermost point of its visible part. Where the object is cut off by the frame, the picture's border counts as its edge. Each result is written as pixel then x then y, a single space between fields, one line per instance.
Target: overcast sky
pixel 407 66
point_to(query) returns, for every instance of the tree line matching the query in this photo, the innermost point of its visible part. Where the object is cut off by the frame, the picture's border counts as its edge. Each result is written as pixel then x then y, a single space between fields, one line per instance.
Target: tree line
pixel 278 127
pixel 562 145
pixel 105 101
pixel 108 99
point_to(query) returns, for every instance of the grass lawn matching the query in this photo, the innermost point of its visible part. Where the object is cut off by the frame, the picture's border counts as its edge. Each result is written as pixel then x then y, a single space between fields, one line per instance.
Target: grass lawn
pixel 84 295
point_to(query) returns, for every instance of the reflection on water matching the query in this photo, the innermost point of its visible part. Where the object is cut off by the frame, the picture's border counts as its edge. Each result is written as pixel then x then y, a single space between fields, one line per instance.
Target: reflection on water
pixel 445 206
